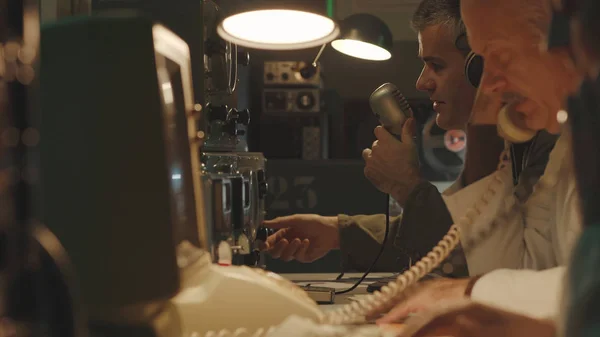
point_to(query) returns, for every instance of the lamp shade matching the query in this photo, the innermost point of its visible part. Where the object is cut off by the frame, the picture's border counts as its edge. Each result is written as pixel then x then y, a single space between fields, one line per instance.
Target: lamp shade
pixel 364 36
pixel 277 25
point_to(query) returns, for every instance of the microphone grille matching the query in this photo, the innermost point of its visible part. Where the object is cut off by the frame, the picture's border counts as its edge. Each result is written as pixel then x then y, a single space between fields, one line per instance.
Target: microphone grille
pixel 402 102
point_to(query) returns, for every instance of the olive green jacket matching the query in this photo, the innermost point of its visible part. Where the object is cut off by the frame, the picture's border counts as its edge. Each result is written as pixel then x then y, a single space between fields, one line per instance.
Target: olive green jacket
pixel 361 236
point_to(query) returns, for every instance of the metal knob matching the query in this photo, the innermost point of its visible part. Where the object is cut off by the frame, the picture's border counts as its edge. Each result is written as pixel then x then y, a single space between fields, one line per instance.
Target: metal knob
pixel 262 233
pixel 308 71
pixel 241 116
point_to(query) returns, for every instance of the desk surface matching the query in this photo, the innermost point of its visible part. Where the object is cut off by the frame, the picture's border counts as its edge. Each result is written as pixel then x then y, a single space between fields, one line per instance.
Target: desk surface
pixel 347 281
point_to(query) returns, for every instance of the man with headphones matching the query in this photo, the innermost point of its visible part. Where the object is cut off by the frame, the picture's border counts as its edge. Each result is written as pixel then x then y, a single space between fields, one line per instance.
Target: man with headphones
pixel 392 167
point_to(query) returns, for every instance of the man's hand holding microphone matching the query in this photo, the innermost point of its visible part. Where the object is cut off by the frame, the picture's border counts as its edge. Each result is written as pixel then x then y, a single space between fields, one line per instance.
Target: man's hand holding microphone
pixel 393 165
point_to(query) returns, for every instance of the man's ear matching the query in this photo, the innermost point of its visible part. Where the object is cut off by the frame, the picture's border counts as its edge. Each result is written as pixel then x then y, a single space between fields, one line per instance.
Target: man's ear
pixel 462 43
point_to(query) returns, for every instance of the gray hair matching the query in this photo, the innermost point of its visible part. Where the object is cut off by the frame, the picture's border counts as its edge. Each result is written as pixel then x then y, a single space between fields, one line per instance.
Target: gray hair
pixel 435 12
pixel 536 16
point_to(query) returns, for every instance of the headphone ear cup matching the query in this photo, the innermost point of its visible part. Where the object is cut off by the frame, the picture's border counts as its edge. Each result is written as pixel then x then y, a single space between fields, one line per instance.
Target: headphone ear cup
pixel 474 68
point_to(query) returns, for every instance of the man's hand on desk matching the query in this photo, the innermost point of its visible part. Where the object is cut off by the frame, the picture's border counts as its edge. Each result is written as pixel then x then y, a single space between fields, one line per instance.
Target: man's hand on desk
pixel 467 319
pixel 304 237
pixel 421 297
pixel 393 165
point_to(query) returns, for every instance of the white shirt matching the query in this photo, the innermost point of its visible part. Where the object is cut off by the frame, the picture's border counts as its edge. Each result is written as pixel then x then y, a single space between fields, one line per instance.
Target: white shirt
pixel 536 234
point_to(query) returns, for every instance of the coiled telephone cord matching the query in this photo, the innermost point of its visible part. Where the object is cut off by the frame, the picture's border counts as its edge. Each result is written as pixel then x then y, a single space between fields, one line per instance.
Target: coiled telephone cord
pixel 355 313
pixel 240 332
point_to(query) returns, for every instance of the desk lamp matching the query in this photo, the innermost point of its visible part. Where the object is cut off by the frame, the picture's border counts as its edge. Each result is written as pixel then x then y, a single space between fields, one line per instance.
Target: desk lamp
pixel 364 36
pixel 290 25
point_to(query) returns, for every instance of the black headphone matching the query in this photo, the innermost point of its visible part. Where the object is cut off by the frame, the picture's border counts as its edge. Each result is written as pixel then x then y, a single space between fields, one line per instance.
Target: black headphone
pixel 473 62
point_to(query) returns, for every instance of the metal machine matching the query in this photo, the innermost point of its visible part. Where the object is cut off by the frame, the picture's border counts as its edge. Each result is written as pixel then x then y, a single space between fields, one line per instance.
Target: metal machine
pixel 236 188
pixel 235 179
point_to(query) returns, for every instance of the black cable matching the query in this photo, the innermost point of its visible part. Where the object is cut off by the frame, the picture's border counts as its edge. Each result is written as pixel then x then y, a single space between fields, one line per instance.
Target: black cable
pixel 387 230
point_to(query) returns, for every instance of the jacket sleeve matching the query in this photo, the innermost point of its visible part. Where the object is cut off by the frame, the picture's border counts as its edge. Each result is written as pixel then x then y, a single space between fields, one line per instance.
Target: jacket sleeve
pixel 527 292
pixel 361 236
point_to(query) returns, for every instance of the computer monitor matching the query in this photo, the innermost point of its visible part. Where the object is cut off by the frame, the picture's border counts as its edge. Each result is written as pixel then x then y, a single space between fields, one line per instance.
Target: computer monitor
pixel 119 157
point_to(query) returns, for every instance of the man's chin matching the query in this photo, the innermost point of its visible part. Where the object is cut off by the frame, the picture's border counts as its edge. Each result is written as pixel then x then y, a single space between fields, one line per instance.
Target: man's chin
pixel 439 120
pixel 443 123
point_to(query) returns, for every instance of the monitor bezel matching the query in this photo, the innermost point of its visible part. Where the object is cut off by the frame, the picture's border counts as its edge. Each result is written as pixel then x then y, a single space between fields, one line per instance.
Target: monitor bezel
pixel 167 45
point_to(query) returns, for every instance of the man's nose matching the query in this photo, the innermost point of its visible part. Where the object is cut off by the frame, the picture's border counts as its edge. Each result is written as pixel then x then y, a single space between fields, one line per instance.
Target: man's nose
pixel 425 83
pixel 492 82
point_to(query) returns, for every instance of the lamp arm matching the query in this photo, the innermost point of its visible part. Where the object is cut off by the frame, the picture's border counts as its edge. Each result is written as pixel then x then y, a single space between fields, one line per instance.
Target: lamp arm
pixel 314 63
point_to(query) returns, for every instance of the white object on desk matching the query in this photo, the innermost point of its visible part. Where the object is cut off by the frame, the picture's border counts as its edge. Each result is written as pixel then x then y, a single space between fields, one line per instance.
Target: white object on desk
pixel 216 297
pixel 224 253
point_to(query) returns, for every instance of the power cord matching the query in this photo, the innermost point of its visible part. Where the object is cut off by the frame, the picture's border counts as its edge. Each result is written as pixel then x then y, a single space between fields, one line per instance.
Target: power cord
pixel 385 237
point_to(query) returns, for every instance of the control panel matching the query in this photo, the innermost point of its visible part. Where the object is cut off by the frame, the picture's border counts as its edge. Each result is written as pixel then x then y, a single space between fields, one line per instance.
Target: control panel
pixel 285 101
pixel 284 73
